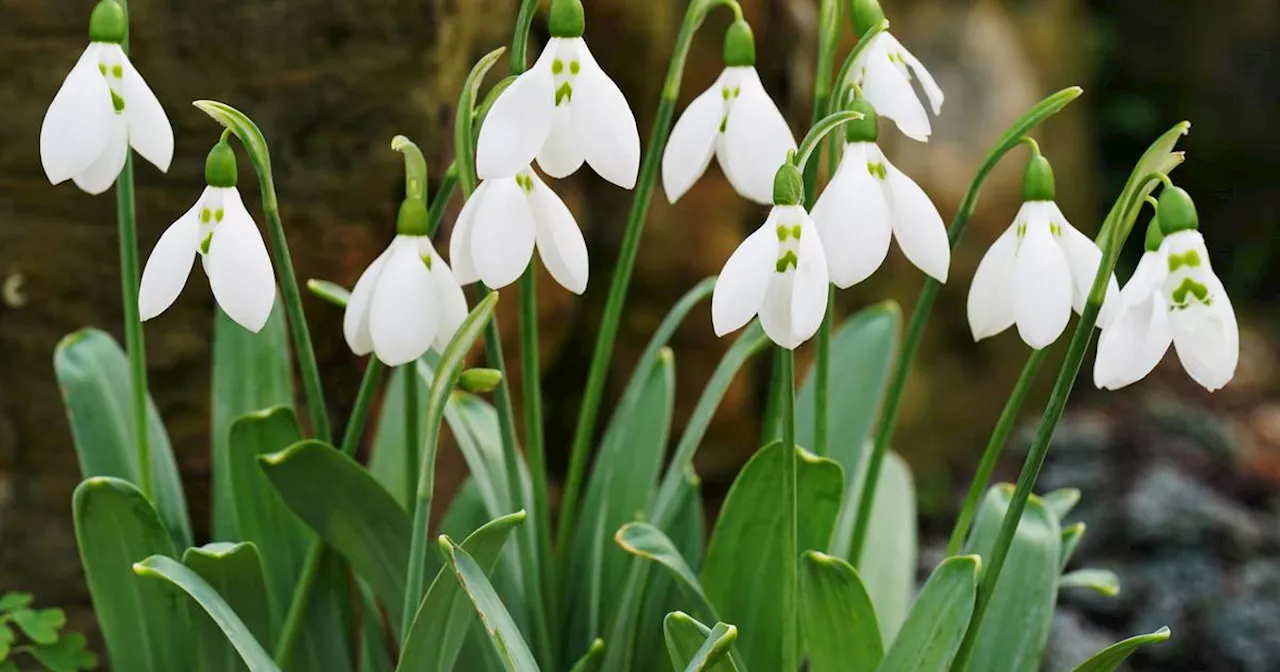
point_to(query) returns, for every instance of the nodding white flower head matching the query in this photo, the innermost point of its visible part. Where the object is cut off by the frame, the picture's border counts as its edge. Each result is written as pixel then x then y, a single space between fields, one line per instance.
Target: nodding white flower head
pixel 501 224
pixel 778 273
pixel 1173 297
pixel 407 301
pixel 564 111
pixel 867 200
pixel 102 109
pixel 736 122
pixel 220 230
pixel 1037 271
pixel 884 70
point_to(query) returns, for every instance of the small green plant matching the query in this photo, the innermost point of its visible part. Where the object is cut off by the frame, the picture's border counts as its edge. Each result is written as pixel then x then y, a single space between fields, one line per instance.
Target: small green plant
pixel 37 634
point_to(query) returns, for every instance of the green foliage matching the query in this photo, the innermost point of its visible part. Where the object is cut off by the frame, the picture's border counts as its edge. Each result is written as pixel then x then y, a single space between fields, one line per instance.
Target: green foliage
pixel 935 626
pixel 837 616
pixel 694 647
pixel 44 639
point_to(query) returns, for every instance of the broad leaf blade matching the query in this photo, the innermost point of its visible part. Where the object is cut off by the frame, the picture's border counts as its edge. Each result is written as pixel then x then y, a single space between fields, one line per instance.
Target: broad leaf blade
pixel 693 646
pixel 837 617
pixel 504 635
pixel 1110 658
pixel 931 635
pixel 93 375
pixel 646 541
pixel 888 564
pixel 145 624
pixel 234 572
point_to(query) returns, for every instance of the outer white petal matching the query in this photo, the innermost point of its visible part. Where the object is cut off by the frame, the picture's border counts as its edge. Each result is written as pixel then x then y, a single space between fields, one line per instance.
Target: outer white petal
pixel 991 294
pixel 464 269
pixel 1042 287
pixel 853 220
pixel 740 289
pixel 890 92
pixel 1133 344
pixel 102 173
pixel 931 88
pixel 448 295
pixel 519 121
pixel 404 315
pixel 1207 338
pixel 564 151
pixel 149 129
pixel 809 283
pixel 75 131
pixel 560 243
pixel 916 223
pixel 503 235
pixel 610 138
pixel 355 321
pixel 692 143
pixel 239 266
pixel 170 264
pixel 1084 256
pixel 756 140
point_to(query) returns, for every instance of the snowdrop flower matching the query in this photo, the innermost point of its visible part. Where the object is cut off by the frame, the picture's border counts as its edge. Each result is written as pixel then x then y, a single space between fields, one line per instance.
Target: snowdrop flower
pixel 407 301
pixel 220 230
pixel 736 122
pixel 565 110
pixel 103 108
pixel 1173 297
pixel 779 272
pixel 867 200
pixel 1037 271
pixel 501 224
pixel 884 70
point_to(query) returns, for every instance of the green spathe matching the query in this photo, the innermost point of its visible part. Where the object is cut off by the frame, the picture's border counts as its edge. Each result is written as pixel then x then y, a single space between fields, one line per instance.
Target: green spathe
pixel 739 45
pixel 1177 211
pixel 1037 181
pixel 567 19
pixel 108 23
pixel 220 166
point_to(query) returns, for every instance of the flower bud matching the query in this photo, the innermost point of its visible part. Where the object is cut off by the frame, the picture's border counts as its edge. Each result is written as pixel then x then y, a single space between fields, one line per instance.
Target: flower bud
pixel 1037 181
pixel 1177 211
pixel 108 23
pixel 479 381
pixel 413 219
pixel 865 129
pixel 567 19
pixel 866 14
pixel 220 166
pixel 788 185
pixel 739 45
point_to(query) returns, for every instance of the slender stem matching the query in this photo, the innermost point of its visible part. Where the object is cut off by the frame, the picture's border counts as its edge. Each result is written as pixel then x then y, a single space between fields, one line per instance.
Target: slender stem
pixel 520 39
pixel 412 441
pixel 992 453
pixel 790 542
pixel 435 214
pixel 823 378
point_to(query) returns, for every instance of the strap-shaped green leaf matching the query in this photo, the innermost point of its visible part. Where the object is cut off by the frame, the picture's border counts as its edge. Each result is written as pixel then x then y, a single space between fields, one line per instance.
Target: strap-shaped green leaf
pixel 1101 581
pixel 1110 658
pixel 233 571
pixel 836 616
pixel 693 647
pixel 888 558
pixel 463 130
pixel 646 541
pixel 503 634
pixel 592 660
pixel 931 635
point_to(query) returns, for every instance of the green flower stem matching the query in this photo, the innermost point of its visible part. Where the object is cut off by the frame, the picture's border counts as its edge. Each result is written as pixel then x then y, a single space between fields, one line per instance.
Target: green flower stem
pixel 822 373
pixel 435 213
pixel 828 36
pixel 412 441
pixel 920 314
pixel 790 541
pixel 992 453
pixel 373 373
pixel 584 431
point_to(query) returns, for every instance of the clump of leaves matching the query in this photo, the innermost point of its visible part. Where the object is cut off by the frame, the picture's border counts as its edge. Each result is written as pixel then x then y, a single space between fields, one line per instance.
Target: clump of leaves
pixel 42 638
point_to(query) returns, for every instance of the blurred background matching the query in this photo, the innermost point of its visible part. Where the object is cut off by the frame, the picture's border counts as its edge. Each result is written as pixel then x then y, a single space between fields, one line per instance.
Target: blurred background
pixel 1180 487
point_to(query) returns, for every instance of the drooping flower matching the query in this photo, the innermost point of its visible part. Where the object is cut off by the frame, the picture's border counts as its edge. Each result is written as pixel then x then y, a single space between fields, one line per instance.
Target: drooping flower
pixel 1037 271
pixel 867 201
pixel 734 121
pixel 564 111
pixel 407 301
pixel 502 223
pixel 102 109
pixel 778 273
pixel 220 230
pixel 1173 297
pixel 884 70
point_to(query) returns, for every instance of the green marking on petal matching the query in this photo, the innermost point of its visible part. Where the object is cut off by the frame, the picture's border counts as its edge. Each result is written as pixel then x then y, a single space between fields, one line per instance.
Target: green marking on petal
pixel 117 71
pixel 525 182
pixel 1190 259
pixel 574 67
pixel 1190 289
pixel 117 102
pixel 557 66
pixel 103 69
pixel 726 93
pixel 217 215
pixel 737 91
pixel 1022 230
pixel 782 233
pixel 205 215
pixel 427 260
pixel 724 123
pixel 204 244
pixel 564 93
pixel 795 231
pixel 876 169
pixel 1055 229
pixel 788 258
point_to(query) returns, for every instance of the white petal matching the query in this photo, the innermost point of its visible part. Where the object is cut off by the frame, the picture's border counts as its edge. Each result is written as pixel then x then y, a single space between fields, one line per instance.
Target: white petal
pixel 518 123
pixel 889 91
pixel 931 88
pixel 1042 287
pixel 170 264
pixel 810 283
pixel 916 223
pixel 775 311
pixel 75 131
pixel 102 173
pixel 607 127
pixel 404 315
pixel 448 295
pixel 464 269
pixel 560 243
pixel 1084 256
pixel 991 294
pixel 239 266
pixel 564 151
pixel 1207 338
pixel 692 143
pixel 355 321
pixel 502 239
pixel 756 140
pixel 853 220
pixel 1133 344
pixel 740 289
pixel 149 129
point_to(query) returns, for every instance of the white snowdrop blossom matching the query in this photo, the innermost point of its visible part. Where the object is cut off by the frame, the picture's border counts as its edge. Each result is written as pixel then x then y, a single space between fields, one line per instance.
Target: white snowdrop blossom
pixel 502 223
pixel 406 302
pixel 220 230
pixel 1173 297
pixel 102 109
pixel 564 111
pixel 778 273
pixel 884 70
pixel 867 200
